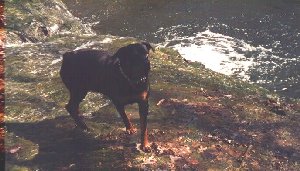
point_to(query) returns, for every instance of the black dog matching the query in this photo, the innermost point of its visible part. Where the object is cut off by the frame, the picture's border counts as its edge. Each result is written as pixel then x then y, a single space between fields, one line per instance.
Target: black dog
pixel 122 77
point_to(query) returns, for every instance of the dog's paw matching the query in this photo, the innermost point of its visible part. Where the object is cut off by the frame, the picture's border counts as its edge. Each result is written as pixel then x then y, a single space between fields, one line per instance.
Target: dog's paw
pixel 146 149
pixel 131 130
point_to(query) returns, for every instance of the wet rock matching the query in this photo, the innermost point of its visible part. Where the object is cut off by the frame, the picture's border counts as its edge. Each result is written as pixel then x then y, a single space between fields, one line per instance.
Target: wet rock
pixel 35 21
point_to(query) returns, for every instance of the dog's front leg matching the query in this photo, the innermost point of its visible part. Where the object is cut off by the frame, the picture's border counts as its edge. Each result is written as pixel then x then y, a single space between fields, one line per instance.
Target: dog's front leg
pixel 143 111
pixel 129 127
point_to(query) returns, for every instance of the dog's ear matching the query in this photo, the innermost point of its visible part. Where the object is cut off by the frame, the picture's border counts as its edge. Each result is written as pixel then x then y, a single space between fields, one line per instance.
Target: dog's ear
pixel 123 51
pixel 148 46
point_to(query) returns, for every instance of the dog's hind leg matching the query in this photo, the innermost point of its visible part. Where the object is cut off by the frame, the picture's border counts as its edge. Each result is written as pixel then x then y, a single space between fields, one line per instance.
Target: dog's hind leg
pixel 73 107
pixel 129 127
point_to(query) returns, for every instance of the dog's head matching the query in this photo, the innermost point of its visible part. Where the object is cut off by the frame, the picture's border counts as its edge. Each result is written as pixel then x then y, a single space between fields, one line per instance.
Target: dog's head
pixel 134 61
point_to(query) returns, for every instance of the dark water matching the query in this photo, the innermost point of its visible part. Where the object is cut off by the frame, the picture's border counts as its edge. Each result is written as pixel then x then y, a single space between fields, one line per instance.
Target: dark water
pixel 257 40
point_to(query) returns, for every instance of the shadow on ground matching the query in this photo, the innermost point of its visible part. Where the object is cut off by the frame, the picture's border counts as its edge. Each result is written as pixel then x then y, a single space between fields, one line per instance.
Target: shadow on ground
pixel 185 135
pixel 57 145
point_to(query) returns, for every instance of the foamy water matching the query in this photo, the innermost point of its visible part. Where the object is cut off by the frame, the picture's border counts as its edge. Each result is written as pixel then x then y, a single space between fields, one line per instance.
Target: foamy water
pixel 256 41
pixel 219 52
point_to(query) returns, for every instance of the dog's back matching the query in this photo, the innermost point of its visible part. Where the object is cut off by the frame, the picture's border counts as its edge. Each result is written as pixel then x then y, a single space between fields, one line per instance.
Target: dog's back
pixel 81 69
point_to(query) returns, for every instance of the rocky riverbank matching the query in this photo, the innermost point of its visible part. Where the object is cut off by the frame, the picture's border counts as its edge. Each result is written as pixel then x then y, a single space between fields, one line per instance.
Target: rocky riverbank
pixel 199 119
pixel 39 20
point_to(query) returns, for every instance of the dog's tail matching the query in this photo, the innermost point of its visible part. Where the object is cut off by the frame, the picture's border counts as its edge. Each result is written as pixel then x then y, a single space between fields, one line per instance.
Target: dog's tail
pixel 67 55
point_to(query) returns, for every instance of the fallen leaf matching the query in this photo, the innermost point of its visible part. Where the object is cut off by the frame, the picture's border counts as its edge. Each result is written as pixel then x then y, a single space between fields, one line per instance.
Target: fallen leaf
pixel 193 161
pixel 161 102
pixel 201 149
pixel 14 150
pixel 228 96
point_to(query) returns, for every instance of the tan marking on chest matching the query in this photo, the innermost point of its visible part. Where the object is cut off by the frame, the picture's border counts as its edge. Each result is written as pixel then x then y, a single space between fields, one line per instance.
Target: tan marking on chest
pixel 134 98
pixel 144 95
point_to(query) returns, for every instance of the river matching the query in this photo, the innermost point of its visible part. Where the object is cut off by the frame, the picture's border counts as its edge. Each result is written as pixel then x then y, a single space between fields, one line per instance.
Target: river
pixel 257 41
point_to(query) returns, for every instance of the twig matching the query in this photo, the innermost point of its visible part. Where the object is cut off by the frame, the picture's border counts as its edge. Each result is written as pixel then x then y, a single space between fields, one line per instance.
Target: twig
pixel 245 155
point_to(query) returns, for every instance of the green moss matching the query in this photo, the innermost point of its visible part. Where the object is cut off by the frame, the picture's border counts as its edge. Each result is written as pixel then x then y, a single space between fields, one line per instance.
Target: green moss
pixel 17 168
pixel 117 43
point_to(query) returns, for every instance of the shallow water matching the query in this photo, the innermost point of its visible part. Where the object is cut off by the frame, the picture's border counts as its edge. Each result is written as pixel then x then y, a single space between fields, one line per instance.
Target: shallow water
pixel 257 41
